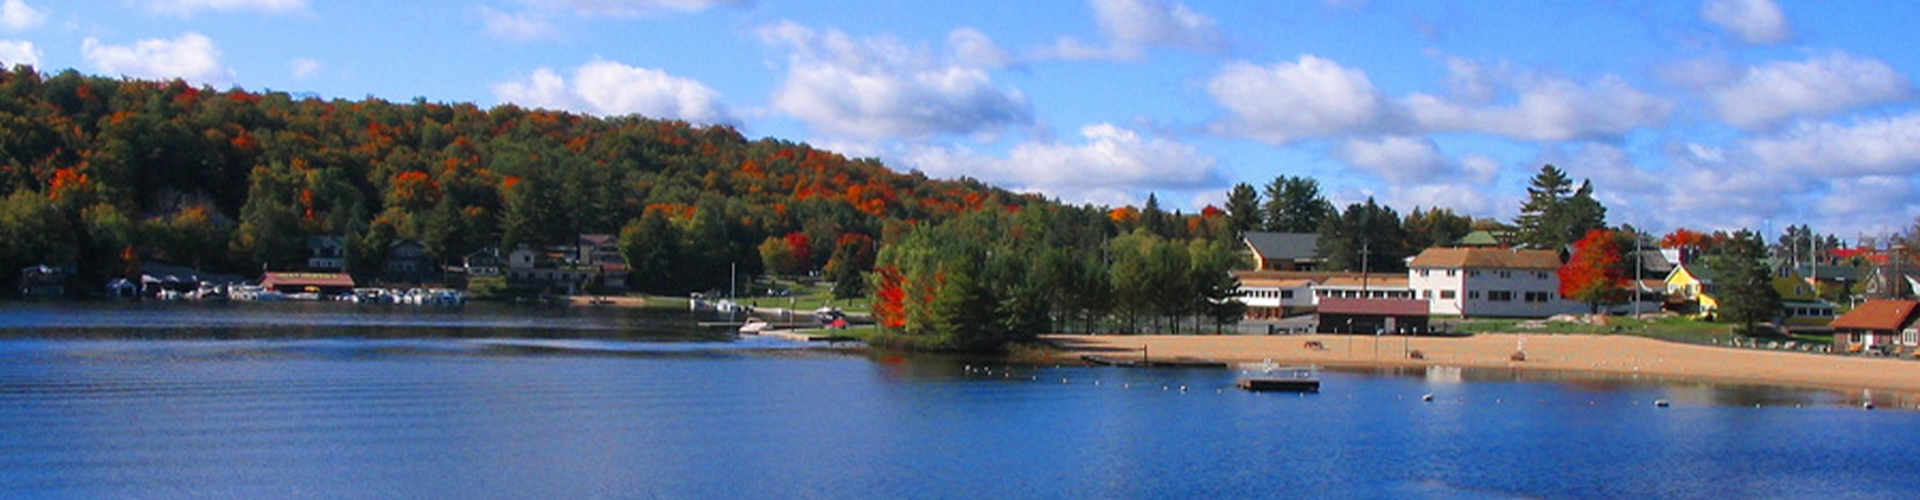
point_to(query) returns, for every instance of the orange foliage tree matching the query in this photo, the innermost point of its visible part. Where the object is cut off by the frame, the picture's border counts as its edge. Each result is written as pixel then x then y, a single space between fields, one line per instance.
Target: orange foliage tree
pixel 1596 274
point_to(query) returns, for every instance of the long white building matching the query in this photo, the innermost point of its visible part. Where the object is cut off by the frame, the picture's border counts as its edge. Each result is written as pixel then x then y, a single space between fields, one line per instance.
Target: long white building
pixel 1490 282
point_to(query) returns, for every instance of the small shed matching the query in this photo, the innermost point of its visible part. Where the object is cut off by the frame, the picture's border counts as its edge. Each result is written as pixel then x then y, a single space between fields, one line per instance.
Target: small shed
pixel 321 283
pixel 1372 316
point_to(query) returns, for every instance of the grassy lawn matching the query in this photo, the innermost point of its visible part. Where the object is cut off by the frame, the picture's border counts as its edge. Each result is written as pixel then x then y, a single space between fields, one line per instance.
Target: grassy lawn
pixel 1679 329
pixel 802 296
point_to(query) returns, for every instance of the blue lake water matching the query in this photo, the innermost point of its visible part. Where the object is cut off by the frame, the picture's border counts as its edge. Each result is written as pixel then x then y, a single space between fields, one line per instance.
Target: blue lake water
pixel 338 401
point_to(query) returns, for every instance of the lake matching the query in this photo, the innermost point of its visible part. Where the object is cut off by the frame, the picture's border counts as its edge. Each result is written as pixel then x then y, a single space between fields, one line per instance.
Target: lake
pixel 152 400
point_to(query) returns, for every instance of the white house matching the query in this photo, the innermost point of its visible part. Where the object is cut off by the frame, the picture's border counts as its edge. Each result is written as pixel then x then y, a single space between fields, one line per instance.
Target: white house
pixel 1370 286
pixel 1269 297
pixel 1490 282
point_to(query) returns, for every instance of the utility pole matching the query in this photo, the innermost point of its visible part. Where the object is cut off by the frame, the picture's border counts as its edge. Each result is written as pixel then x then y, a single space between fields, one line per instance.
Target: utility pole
pixel 1639 262
pixel 1366 248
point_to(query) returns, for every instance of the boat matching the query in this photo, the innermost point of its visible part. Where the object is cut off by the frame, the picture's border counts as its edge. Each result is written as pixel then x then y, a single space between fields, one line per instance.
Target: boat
pixel 754 326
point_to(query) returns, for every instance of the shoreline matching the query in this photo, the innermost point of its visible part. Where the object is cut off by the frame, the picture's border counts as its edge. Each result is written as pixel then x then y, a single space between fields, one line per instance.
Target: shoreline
pixel 1598 354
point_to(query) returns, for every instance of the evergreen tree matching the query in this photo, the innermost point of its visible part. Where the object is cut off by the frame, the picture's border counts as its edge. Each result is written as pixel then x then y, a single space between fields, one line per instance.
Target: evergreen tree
pixel 1154 218
pixel 1555 213
pixel 1367 236
pixel 1434 227
pixel 1746 294
pixel 1243 209
pixel 1295 205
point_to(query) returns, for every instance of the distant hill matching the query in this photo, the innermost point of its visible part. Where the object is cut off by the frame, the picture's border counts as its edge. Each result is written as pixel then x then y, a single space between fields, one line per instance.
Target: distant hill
pixel 101 173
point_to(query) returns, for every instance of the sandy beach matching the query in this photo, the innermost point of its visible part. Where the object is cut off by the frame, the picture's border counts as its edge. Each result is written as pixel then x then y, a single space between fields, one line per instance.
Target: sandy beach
pixel 1592 353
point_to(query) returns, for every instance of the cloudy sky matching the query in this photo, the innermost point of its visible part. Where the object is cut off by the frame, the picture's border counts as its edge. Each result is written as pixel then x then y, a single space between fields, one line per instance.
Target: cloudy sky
pixel 1714 114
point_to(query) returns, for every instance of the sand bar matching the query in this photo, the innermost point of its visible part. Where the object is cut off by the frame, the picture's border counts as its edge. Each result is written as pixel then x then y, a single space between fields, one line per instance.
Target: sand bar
pixel 1593 353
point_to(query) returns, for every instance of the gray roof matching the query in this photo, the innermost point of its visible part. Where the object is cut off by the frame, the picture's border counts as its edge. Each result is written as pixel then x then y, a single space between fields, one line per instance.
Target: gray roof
pixel 1284 245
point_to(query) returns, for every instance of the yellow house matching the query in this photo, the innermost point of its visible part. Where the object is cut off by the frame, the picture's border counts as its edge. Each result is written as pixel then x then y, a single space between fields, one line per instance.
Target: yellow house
pixel 1692 283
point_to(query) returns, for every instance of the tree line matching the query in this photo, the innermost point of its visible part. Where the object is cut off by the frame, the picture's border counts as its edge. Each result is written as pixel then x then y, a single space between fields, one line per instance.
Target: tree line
pixel 99 175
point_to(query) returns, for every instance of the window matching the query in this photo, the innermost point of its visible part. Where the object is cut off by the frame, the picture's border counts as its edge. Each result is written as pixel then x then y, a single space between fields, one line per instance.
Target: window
pixel 1473 295
pixel 1506 274
pixel 1537 297
pixel 1426 294
pixel 1473 273
pixel 1452 272
pixel 1446 295
pixel 1910 337
pixel 1286 294
pixel 1500 296
pixel 1424 272
pixel 1540 276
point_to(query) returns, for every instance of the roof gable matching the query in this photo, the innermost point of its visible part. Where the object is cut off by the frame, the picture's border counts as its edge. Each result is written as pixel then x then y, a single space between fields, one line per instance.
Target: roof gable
pixel 1284 245
pixel 1486 258
pixel 1877 315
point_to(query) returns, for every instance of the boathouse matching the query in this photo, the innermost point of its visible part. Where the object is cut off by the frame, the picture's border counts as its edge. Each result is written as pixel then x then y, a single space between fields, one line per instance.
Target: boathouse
pixel 1372 316
pixel 320 283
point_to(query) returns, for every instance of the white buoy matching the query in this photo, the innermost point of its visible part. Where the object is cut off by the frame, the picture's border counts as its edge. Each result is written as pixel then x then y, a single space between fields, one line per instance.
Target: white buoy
pixel 1426 398
pixel 1867 405
pixel 1183 388
pixel 1661 403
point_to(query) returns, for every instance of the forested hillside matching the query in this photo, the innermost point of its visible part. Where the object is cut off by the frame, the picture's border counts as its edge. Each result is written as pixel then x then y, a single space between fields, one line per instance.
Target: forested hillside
pixel 103 173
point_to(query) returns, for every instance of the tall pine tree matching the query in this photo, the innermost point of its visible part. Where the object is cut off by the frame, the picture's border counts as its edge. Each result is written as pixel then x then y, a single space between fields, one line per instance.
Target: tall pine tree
pixel 1295 205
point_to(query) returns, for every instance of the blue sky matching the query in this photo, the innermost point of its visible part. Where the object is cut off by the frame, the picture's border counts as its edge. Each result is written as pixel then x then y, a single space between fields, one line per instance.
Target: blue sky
pixel 1715 114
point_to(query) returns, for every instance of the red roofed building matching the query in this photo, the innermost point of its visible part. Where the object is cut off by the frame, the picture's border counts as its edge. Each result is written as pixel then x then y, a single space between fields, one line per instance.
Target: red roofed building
pixel 1883 325
pixel 321 283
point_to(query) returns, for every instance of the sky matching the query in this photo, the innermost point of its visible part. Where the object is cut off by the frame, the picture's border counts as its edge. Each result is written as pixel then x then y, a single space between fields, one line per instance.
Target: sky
pixel 1714 114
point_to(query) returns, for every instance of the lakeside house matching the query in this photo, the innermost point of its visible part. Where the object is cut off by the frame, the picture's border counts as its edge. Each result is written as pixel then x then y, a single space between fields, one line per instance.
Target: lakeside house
pixel 593 262
pixel 1372 316
pixel 1886 326
pixel 1274 295
pixel 1284 251
pixel 44 281
pixel 326 253
pixel 1363 286
pixel 407 262
pixel 1480 281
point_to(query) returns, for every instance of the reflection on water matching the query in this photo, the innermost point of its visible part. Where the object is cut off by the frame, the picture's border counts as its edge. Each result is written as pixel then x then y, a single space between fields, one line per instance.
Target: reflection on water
pixel 364 411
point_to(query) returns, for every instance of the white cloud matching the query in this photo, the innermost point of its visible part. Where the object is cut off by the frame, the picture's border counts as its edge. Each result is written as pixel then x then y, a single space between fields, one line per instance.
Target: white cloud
pixel 880 88
pixel 1151 23
pixel 515 26
pixel 1877 146
pixel 973 48
pixel 609 88
pixel 14 52
pixel 185 8
pixel 18 16
pixel 1464 199
pixel 1308 98
pixel 1753 21
pixel 1132 26
pixel 1109 159
pixel 1398 159
pixel 304 68
pixel 637 7
pixel 191 57
pixel 1541 107
pixel 1867 196
pixel 1816 87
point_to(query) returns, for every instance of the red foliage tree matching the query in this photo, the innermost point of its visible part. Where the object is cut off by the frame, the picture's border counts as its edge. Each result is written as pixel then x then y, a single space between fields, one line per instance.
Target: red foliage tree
pixel 1596 274
pixel 890 297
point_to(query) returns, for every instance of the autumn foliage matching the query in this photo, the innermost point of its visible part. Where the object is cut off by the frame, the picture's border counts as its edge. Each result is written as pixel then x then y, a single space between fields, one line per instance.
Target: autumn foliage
pixel 1596 274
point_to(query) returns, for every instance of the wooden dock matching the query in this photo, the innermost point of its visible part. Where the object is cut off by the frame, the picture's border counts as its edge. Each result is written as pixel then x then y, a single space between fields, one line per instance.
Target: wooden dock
pixel 1279 384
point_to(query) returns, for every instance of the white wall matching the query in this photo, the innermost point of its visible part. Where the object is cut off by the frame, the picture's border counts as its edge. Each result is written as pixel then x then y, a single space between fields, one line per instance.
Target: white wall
pixel 1475 290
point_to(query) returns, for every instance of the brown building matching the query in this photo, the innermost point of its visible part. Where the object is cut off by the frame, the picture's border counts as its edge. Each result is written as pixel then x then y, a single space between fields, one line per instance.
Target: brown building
pixel 1886 326
pixel 1372 316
